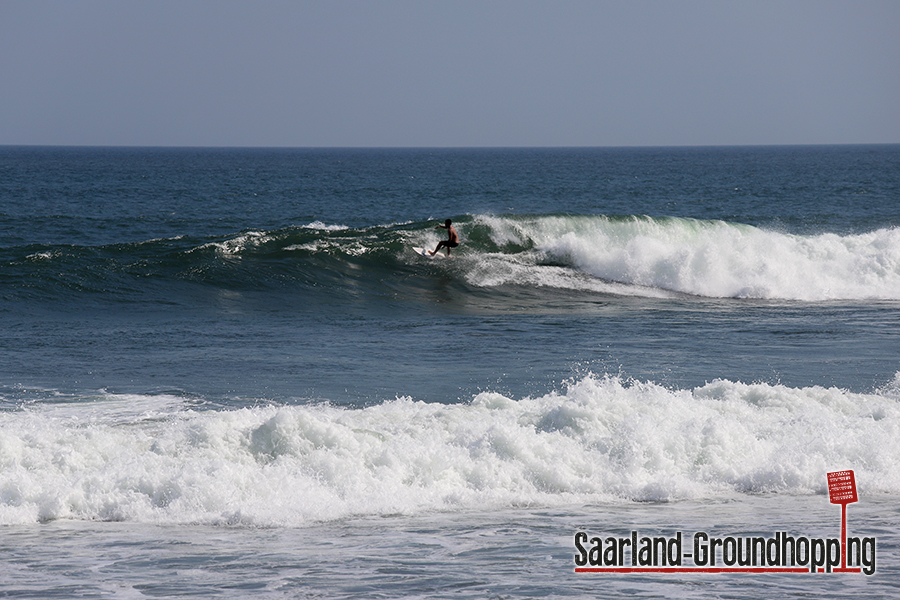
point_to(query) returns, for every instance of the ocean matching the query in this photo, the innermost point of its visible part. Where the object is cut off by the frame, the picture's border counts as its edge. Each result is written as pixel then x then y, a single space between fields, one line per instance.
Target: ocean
pixel 225 372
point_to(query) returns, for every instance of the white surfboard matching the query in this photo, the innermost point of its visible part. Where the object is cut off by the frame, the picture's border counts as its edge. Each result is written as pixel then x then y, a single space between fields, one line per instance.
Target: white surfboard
pixel 427 254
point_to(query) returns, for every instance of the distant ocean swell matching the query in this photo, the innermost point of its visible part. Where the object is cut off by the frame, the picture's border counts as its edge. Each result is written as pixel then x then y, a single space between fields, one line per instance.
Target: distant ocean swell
pixel 153 459
pixel 629 255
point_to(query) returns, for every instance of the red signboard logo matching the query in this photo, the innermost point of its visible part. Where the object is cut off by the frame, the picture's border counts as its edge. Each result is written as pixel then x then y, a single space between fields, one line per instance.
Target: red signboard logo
pixel 842 487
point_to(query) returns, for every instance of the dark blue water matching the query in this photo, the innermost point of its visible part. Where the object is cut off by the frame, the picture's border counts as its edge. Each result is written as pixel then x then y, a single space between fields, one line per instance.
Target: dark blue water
pixel 100 196
pixel 239 274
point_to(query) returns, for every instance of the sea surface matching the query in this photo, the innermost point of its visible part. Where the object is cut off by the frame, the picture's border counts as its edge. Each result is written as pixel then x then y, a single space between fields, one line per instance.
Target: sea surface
pixel 224 372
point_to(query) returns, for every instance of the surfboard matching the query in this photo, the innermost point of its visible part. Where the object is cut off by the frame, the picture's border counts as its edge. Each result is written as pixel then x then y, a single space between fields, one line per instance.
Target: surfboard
pixel 426 254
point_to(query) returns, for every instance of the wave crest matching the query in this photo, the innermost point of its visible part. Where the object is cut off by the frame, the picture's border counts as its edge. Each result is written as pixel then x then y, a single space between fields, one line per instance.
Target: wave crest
pixel 713 259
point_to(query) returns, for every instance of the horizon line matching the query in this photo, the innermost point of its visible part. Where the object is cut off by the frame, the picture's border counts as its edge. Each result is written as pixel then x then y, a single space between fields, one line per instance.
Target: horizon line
pixel 474 147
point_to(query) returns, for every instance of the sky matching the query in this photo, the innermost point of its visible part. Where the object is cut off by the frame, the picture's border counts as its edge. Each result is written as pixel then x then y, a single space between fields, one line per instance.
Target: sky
pixel 451 73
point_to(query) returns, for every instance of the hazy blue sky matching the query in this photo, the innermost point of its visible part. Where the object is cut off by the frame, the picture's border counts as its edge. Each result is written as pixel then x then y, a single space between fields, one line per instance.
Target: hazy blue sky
pixel 449 73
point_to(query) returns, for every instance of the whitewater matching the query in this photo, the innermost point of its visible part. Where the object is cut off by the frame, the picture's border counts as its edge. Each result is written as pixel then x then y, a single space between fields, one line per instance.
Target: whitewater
pixel 599 440
pixel 713 259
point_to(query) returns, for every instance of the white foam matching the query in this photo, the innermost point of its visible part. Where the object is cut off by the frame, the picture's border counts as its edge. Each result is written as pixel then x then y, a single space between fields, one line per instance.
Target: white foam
pixel 45 255
pixel 234 246
pixel 706 258
pixel 352 247
pixel 602 439
pixel 319 225
pixel 497 269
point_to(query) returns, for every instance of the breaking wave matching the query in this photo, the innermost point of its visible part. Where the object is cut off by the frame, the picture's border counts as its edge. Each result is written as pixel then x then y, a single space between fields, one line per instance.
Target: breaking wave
pixel 713 259
pixel 631 256
pixel 602 439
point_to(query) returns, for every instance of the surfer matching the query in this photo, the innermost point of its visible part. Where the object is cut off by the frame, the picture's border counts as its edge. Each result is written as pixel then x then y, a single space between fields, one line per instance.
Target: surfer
pixel 452 240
